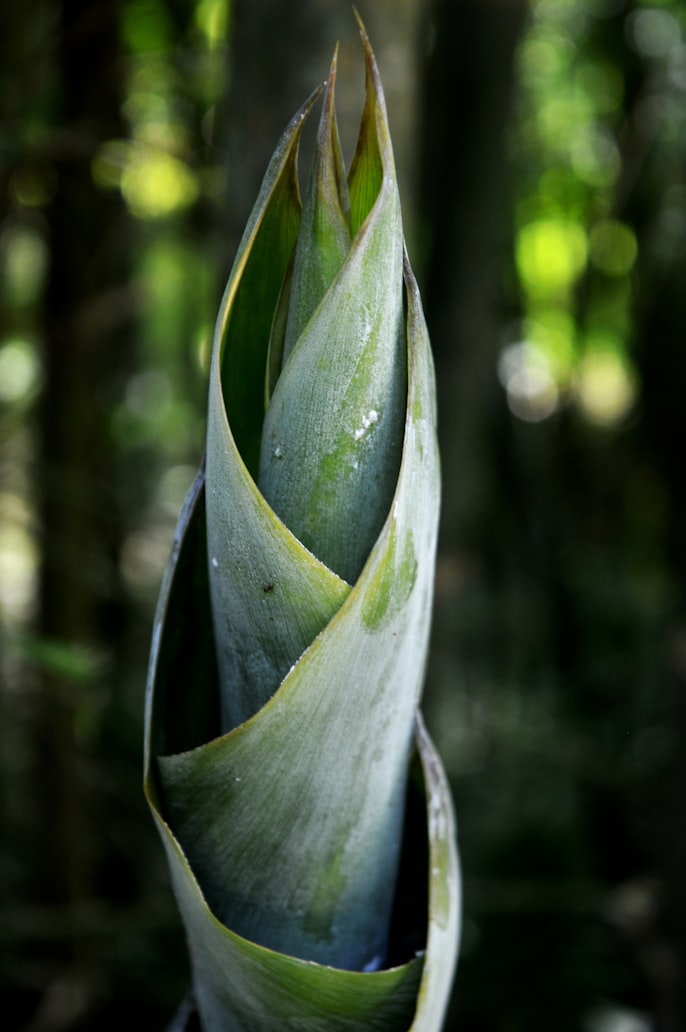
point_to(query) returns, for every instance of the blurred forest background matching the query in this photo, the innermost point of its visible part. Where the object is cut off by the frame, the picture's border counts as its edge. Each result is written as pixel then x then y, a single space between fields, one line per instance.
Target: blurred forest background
pixel 541 149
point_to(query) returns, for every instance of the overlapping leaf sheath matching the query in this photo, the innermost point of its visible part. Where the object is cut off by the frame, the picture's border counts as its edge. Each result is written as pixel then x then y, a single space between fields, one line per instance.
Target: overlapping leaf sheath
pixel 291 635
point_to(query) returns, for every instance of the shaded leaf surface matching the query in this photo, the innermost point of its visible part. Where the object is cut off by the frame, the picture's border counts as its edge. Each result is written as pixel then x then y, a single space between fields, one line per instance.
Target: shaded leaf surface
pixel 279 734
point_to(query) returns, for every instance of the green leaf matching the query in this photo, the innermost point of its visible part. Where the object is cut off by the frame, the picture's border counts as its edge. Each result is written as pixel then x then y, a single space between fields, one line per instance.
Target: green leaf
pixel 371 160
pixel 332 435
pixel 324 234
pixel 292 821
pixel 253 288
pixel 286 670
pixel 239 985
pixel 270 596
pixel 445 891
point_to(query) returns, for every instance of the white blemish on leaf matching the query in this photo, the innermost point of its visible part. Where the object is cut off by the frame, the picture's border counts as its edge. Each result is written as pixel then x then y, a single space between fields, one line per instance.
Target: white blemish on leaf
pixel 369 420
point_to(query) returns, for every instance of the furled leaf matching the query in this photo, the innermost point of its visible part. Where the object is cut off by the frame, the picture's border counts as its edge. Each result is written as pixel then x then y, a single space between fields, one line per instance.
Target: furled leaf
pixel 333 432
pixel 305 815
pixel 270 596
pixel 238 985
pixel 292 821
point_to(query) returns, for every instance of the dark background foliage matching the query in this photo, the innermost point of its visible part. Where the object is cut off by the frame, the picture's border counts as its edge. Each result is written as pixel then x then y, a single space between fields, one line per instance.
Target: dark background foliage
pixel 541 150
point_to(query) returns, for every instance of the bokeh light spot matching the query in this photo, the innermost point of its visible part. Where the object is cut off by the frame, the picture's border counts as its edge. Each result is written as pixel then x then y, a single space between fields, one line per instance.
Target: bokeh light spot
pixel 25 262
pixel 19 370
pixel 550 254
pixel 595 157
pixel 652 32
pixel 33 187
pixel 155 185
pixel 602 82
pixel 607 384
pixel 553 332
pixel 613 247
pixel 525 373
pixel 146 26
pixel 212 18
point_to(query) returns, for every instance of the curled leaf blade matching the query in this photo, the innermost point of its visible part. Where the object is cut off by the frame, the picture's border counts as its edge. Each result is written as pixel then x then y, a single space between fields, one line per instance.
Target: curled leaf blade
pixel 332 438
pixel 282 792
pixel 311 791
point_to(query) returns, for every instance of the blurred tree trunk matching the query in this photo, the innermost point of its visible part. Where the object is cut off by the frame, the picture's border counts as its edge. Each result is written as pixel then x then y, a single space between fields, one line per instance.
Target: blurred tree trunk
pixel 655 448
pixel 465 220
pixel 83 312
pixel 661 332
pixel 466 215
